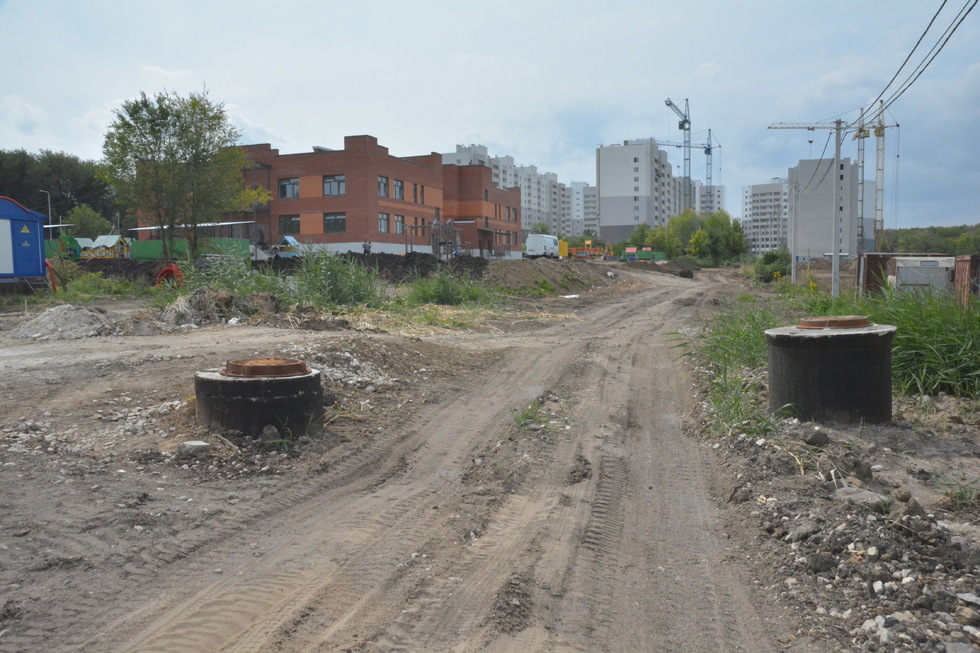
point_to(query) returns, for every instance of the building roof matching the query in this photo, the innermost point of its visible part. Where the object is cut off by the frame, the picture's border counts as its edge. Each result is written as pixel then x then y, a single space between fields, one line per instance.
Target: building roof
pixel 14 210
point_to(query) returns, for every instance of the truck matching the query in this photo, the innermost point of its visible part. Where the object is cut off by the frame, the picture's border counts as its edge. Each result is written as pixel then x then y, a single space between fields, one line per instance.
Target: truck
pixel 538 245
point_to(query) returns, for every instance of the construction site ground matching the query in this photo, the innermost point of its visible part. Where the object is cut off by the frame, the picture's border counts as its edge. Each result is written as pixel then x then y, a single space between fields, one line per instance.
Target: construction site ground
pixel 536 481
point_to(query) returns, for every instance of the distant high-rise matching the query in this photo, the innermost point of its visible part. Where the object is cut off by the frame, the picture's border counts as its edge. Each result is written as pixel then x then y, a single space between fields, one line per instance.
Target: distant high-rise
pixel 635 186
pixel 544 200
pixel 814 206
pixel 765 215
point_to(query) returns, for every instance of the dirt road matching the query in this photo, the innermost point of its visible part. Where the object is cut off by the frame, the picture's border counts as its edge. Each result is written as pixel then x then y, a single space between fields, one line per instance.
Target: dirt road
pixel 431 522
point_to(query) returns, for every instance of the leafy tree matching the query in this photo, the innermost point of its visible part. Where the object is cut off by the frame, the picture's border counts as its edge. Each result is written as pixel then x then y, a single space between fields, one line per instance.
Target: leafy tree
pixel 639 236
pixel 174 160
pixel 69 180
pixel 698 245
pixel 87 223
pixel 539 228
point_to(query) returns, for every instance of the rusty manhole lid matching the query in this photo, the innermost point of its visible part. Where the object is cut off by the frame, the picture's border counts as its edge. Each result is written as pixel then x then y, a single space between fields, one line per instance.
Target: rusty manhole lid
pixel 834 322
pixel 265 367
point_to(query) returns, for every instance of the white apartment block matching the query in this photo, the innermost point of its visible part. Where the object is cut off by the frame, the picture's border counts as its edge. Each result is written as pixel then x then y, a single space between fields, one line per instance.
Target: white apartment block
pixel 765 215
pixel 708 199
pixel 590 211
pixel 815 204
pixel 544 199
pixel 635 186
pixel 582 202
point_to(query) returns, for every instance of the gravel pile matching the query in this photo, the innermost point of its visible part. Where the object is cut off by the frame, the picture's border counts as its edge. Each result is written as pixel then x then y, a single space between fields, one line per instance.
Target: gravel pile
pixel 843 539
pixel 65 322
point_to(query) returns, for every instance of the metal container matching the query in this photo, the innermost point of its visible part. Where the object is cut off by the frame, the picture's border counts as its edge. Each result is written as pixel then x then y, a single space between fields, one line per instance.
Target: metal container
pixel 248 395
pixel 832 369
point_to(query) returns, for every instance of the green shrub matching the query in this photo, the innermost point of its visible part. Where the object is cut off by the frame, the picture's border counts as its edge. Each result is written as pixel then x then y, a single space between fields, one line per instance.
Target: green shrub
pixel 445 288
pixel 772 266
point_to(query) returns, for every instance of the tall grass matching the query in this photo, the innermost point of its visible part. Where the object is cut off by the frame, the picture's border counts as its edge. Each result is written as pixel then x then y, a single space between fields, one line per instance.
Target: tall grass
pixel 329 281
pixel 937 341
pixel 731 348
pixel 447 289
pixel 936 347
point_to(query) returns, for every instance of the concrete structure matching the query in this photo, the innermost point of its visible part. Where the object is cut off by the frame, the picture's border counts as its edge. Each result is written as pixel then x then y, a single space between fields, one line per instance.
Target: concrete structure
pixel 338 199
pixel 765 215
pixel 813 208
pixel 635 186
pixel 708 199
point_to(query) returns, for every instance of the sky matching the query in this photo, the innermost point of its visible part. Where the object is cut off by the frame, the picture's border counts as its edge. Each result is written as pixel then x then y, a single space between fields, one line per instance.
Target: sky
pixel 543 81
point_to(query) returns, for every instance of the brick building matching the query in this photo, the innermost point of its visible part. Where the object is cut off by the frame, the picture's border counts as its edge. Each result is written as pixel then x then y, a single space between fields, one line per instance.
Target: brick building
pixel 338 199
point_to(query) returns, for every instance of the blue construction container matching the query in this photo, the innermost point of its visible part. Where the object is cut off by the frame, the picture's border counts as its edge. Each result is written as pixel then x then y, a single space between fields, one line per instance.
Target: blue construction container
pixel 21 241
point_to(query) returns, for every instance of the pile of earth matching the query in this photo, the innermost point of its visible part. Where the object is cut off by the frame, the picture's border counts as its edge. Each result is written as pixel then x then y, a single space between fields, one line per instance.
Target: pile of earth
pixel 395 268
pixel 544 276
pixel 677 268
pixel 121 268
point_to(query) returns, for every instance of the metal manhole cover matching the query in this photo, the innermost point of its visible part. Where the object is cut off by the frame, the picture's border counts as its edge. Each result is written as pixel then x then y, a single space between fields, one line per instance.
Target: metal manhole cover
pixel 834 322
pixel 249 367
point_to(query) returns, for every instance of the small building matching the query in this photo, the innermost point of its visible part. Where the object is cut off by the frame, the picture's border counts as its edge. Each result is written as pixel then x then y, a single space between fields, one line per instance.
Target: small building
pixel 21 242
pixel 105 247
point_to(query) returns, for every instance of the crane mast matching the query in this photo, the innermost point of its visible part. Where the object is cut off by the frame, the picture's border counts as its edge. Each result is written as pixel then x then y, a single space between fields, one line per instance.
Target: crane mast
pixel 685 125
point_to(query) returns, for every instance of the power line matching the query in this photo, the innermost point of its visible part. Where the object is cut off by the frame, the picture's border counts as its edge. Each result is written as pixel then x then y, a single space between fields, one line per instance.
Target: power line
pixel 963 13
pixel 927 59
pixel 911 52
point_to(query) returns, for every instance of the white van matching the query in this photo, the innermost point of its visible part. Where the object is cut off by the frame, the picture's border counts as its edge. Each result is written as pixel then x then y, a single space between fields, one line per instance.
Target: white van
pixel 538 245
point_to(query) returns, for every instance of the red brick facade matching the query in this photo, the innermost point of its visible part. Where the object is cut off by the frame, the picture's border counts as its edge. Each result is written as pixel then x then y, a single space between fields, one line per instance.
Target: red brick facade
pixel 339 199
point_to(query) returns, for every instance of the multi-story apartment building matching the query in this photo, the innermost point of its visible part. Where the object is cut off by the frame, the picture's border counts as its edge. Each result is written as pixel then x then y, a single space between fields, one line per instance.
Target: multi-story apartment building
pixel 543 198
pixel 635 186
pixel 708 199
pixel 590 211
pixel 338 199
pixel 581 200
pixel 765 215
pixel 821 218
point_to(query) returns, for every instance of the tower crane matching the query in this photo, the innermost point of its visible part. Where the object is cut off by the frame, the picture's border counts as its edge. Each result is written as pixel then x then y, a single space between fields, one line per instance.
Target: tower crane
pixel 707 147
pixel 879 131
pixel 684 125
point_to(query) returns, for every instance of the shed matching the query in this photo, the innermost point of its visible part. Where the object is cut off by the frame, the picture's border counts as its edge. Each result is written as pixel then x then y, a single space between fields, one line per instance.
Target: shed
pixel 114 246
pixel 21 241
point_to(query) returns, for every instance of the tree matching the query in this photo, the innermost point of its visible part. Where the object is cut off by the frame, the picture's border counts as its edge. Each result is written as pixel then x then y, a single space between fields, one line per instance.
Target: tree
pixel 698 245
pixel 539 228
pixel 69 180
pixel 175 160
pixel 87 223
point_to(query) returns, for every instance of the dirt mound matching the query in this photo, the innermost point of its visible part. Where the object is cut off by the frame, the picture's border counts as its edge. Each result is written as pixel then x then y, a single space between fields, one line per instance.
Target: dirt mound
pixel 121 268
pixel 65 322
pixel 394 268
pixel 544 276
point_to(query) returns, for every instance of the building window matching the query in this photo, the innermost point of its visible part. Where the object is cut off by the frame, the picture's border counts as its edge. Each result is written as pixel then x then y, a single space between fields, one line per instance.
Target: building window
pixel 334 185
pixel 334 223
pixel 382 187
pixel 289 188
pixel 383 223
pixel 415 193
pixel 636 159
pixel 399 189
pixel 399 224
pixel 422 195
pixel 289 225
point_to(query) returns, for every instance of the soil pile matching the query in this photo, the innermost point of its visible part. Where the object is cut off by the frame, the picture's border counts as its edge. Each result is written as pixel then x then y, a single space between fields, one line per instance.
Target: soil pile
pixel 65 322
pixel 121 268
pixel 545 276
pixel 394 268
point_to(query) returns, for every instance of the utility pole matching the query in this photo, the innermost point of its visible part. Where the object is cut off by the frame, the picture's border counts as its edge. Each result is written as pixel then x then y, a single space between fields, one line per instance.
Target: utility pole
pixel 50 219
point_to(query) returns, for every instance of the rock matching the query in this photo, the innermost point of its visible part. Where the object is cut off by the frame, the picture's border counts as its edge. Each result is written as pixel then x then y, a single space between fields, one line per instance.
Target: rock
pixel 858 495
pixel 192 448
pixel 269 432
pixel 903 495
pixel 817 439
pixel 821 562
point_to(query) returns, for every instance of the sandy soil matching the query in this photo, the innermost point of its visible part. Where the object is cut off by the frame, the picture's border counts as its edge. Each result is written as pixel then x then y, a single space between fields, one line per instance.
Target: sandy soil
pixel 424 519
